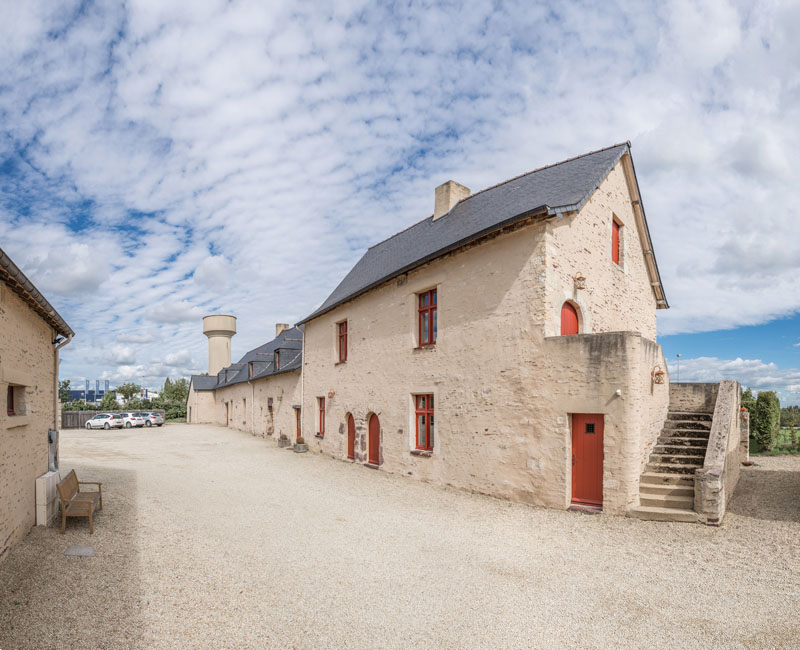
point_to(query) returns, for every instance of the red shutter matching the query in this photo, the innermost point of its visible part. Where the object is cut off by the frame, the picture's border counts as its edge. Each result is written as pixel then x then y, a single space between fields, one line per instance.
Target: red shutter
pixel 615 242
pixel 569 320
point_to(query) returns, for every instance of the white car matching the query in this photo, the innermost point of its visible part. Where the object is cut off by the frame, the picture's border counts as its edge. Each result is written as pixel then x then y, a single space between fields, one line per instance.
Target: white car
pixel 132 420
pixel 105 421
pixel 151 418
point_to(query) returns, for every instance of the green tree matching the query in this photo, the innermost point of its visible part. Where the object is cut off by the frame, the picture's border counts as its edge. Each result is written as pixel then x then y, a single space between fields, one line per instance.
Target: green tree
pixel 108 403
pixel 748 401
pixel 767 420
pixel 63 391
pixel 128 390
pixel 175 391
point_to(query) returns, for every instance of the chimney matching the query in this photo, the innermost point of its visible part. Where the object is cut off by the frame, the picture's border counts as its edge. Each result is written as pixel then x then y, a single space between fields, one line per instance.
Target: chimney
pixel 280 327
pixel 447 195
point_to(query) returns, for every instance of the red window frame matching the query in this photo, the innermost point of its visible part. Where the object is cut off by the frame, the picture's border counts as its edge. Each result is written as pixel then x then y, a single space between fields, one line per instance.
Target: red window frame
pixel 321 407
pixel 10 401
pixel 342 339
pixel 424 419
pixel 277 360
pixel 427 308
pixel 615 228
pixel 250 365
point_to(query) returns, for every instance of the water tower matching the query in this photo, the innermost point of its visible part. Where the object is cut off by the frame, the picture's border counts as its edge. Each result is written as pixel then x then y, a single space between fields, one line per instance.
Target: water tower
pixel 219 328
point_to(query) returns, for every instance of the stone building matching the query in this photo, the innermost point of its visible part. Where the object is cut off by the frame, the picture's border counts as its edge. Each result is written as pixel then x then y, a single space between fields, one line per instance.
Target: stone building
pixel 259 394
pixel 443 354
pixel 31 334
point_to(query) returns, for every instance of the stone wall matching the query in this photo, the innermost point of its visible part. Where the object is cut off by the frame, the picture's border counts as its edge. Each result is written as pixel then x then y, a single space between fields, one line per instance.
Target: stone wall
pixel 716 481
pixel 692 397
pixel 200 407
pixel 27 363
pixel 248 405
pixel 503 390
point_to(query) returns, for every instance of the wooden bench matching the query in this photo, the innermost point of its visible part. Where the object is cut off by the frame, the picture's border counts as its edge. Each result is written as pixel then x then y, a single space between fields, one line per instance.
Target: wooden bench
pixel 75 503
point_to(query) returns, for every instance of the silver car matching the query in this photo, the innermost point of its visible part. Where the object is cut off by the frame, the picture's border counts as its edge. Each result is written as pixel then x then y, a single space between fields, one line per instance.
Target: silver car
pixel 105 421
pixel 132 420
pixel 151 418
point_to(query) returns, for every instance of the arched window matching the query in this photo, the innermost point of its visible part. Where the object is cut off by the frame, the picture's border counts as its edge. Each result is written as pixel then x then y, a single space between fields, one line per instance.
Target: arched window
pixel 569 319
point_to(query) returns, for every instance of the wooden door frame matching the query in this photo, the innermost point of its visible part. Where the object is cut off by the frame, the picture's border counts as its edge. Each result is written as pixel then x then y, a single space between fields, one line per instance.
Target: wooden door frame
pixel 350 419
pixel 370 460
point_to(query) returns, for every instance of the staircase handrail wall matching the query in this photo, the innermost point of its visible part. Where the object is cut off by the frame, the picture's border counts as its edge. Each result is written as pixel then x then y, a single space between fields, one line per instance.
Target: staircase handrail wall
pixel 715 482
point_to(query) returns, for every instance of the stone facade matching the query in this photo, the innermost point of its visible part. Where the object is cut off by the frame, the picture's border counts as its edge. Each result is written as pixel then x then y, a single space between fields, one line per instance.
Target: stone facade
pixel 28 366
pixel 504 383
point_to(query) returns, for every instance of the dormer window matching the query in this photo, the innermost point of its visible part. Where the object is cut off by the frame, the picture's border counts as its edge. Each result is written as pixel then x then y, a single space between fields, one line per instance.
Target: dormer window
pixel 277 360
pixel 250 367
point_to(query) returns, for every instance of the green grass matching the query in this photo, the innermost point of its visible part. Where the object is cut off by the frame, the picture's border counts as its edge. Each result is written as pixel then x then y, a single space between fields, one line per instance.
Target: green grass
pixel 782 447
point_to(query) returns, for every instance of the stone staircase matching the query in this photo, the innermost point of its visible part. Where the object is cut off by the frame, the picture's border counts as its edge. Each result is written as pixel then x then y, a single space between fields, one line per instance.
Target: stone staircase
pixel 666 488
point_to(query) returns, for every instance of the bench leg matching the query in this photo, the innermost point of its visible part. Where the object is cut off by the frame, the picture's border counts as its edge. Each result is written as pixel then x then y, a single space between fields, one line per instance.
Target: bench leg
pixel 91 524
pixel 101 500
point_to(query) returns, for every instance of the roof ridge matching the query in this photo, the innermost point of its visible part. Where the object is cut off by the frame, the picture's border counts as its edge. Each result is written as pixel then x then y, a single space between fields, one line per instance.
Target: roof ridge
pixel 509 180
pixel 539 169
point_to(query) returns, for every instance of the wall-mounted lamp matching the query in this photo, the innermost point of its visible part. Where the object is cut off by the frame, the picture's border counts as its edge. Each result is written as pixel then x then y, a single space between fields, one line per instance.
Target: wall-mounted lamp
pixel 331 393
pixel 580 281
pixel 618 392
pixel 658 375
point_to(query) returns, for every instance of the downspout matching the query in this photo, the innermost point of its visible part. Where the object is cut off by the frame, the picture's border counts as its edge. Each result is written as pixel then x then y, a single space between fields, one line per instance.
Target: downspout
pixel 56 364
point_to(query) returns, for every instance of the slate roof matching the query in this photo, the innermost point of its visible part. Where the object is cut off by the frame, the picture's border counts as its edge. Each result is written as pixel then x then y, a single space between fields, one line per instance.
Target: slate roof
pixel 552 190
pixel 290 344
pixel 16 280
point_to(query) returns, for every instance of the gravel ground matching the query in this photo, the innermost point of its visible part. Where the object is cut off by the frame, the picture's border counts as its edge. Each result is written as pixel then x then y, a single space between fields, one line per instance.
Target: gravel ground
pixel 211 538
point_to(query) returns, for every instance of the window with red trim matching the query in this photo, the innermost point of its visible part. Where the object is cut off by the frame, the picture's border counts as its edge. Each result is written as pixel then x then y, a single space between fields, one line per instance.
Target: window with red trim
pixel 10 401
pixel 277 360
pixel 615 228
pixel 342 338
pixel 424 416
pixel 321 405
pixel 251 368
pixel 427 317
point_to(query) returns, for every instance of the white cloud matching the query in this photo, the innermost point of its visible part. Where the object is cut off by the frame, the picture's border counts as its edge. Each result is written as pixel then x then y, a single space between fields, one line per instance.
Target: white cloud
pixel 754 373
pixel 169 160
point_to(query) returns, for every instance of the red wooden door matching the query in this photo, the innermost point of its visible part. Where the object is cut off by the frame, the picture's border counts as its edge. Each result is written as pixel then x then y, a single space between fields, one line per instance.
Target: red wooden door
pixel 351 437
pixel 227 418
pixel 299 433
pixel 587 459
pixel 569 320
pixel 374 440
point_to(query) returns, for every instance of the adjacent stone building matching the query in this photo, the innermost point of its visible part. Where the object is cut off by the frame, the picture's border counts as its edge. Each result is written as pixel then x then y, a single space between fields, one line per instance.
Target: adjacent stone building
pixel 32 332
pixel 259 394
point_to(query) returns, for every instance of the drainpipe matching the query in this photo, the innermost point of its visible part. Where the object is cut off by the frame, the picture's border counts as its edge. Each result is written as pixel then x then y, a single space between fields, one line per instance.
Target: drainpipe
pixel 56 364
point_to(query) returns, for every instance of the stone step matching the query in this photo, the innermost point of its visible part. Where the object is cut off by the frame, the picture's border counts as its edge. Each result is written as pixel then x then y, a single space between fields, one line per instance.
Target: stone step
pixel 679 459
pixel 682 502
pixel 673 448
pixel 685 433
pixel 689 415
pixel 687 424
pixel 660 478
pixel 672 468
pixel 654 513
pixel 691 441
pixel 667 489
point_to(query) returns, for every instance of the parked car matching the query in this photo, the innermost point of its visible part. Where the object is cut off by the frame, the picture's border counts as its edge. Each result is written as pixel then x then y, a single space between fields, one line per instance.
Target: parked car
pixel 133 420
pixel 105 421
pixel 151 418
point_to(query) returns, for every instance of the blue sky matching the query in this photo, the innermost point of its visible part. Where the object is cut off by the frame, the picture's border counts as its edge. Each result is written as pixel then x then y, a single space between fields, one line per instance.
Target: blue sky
pixel 159 161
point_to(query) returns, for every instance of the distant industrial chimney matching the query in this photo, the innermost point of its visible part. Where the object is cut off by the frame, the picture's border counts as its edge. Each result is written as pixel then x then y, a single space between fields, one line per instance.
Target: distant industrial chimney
pixel 219 329
pixel 280 327
pixel 447 195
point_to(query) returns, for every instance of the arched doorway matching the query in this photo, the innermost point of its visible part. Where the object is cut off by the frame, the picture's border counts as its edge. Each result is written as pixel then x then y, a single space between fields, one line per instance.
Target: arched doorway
pixel 351 437
pixel 569 319
pixel 374 440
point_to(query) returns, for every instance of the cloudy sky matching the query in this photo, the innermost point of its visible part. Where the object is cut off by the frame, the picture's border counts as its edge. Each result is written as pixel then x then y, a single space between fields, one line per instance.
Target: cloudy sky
pixel 162 160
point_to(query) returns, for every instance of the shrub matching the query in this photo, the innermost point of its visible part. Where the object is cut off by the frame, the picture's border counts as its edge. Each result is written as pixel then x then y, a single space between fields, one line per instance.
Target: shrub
pixel 767 419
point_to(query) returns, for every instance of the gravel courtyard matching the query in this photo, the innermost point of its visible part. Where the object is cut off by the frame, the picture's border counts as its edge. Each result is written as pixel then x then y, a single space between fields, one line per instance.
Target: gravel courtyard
pixel 211 538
